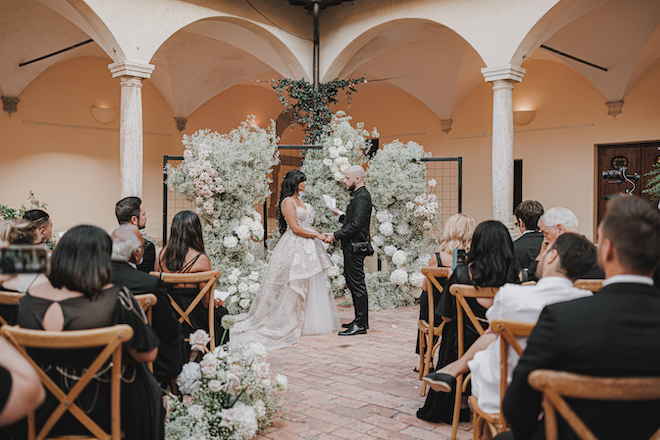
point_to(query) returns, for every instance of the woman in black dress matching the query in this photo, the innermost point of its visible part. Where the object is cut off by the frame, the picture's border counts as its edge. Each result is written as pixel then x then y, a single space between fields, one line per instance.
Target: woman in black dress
pixel 456 234
pixel 80 295
pixel 490 263
pixel 184 253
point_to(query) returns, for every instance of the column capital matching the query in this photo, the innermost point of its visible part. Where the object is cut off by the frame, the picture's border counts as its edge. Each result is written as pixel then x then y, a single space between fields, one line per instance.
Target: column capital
pixel 131 68
pixel 507 72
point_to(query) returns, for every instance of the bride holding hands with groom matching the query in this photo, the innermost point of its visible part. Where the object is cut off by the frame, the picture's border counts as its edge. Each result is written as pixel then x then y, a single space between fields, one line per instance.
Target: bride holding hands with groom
pixel 295 297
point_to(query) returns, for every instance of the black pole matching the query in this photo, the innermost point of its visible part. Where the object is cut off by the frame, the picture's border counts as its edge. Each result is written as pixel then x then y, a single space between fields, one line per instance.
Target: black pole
pixel 316 45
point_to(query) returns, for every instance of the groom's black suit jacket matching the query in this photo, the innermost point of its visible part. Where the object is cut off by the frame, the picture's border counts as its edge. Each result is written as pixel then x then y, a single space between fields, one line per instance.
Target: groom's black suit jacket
pixel 357 219
pixel 172 350
pixel 615 333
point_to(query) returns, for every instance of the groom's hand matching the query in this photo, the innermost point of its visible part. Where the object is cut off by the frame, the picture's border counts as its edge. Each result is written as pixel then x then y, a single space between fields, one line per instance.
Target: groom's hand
pixel 335 212
pixel 329 238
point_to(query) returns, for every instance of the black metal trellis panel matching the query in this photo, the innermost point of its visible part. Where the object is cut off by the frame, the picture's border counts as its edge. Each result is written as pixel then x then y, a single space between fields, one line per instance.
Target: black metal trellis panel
pixel 448 173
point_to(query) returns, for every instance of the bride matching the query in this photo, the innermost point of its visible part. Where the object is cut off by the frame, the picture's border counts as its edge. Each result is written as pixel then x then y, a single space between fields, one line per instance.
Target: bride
pixel 295 297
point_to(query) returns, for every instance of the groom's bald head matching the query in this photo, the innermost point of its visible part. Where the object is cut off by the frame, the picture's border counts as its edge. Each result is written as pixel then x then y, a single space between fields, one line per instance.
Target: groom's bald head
pixel 355 171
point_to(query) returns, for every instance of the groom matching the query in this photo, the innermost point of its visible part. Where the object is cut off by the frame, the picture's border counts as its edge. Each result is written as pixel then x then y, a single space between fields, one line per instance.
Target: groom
pixel 356 244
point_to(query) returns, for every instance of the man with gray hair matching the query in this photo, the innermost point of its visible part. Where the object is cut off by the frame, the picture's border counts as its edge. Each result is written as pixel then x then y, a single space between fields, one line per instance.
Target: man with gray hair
pixel 127 253
pixel 555 222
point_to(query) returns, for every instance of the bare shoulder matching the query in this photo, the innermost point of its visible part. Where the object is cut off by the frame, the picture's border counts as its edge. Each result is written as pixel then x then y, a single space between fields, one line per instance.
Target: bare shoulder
pixel 202 264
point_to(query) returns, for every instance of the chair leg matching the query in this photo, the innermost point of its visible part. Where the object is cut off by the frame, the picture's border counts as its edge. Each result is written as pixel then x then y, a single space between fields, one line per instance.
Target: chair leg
pixel 457 407
pixel 422 353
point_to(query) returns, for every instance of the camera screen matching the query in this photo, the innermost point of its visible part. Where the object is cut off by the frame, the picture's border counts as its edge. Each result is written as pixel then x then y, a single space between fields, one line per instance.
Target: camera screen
pixel 18 259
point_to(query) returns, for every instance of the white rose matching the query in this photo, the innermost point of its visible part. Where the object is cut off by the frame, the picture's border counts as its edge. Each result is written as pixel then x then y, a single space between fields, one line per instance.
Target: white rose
pixel 349 145
pixel 208 370
pixel 399 277
pixel 378 240
pixel 233 384
pixel 387 229
pixel 340 281
pixel 334 169
pixel 399 258
pixel 337 141
pixel 215 386
pixel 246 221
pixel 258 349
pixel 234 299
pixel 196 412
pixel 198 340
pixel 339 161
pixel 254 287
pixel 432 183
pixel 327 162
pixel 333 271
pixel 243 287
pixel 342 150
pixel 281 382
pixel 259 408
pixel 230 242
pixel 417 279
pixel 254 275
pixel 244 303
pixel 333 152
pixel 337 259
pixel 339 176
pixel 390 250
pixel 384 216
pixel 232 290
pixel 249 257
pixel 257 217
pixel 243 232
pixel 261 369
pixel 343 168
pixel 259 233
pixel 227 321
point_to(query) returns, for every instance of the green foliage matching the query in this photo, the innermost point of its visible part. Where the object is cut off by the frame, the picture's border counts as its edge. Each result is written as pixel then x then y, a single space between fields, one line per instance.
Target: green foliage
pixel 311 108
pixel 653 185
pixel 7 213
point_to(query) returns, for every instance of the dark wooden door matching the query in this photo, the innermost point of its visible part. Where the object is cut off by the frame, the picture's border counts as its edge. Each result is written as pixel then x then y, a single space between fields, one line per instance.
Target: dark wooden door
pixel 639 157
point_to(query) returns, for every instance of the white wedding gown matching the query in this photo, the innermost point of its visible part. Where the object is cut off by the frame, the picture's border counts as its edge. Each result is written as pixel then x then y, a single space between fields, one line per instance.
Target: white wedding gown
pixel 295 297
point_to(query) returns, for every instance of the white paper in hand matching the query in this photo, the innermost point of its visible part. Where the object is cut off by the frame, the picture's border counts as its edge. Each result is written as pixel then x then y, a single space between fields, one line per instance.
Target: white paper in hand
pixel 332 204
pixel 220 295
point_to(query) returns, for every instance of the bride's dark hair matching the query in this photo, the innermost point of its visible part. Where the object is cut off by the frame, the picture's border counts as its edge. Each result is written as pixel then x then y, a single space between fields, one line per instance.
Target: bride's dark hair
pixel 289 186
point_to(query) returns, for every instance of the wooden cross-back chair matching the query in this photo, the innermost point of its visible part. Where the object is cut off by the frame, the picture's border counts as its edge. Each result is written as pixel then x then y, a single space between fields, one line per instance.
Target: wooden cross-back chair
pixel 428 332
pixel 147 301
pixel 508 331
pixel 593 285
pixel 208 277
pixel 9 299
pixel 461 292
pixel 555 385
pixel 110 338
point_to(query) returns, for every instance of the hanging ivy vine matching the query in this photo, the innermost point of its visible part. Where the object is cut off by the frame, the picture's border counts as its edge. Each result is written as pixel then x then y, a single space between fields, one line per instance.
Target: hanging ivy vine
pixel 653 185
pixel 310 106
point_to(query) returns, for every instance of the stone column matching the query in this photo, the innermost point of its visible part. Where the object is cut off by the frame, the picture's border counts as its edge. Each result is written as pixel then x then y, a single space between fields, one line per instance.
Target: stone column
pixel 503 79
pixel 131 159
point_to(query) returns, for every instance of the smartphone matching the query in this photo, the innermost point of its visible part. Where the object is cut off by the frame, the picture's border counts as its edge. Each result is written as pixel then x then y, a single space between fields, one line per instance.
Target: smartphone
pixel 458 257
pixel 23 258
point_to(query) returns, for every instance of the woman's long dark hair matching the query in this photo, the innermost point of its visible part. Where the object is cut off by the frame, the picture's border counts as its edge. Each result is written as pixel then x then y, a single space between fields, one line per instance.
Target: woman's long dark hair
pixel 81 261
pixel 491 259
pixel 186 232
pixel 289 186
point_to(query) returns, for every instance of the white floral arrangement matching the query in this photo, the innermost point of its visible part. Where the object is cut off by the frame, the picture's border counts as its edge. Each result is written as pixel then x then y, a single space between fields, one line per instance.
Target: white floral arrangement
pixel 405 214
pixel 225 176
pixel 229 395
pixel 343 146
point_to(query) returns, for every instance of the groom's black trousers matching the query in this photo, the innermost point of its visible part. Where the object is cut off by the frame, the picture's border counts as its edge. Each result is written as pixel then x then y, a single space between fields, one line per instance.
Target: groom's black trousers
pixel 354 273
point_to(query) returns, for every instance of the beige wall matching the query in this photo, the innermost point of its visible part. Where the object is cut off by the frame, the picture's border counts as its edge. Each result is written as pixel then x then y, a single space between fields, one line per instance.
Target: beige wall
pixel 76 170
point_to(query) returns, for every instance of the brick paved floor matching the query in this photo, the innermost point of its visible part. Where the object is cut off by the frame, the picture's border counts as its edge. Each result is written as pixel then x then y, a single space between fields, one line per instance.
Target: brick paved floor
pixel 356 387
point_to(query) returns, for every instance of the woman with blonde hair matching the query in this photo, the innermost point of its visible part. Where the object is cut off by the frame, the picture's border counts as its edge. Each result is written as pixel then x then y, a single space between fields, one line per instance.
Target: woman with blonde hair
pixel 457 234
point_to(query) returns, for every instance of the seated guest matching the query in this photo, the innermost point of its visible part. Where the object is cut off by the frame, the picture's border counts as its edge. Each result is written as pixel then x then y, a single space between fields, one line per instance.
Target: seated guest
pixel 131 210
pixel 21 391
pixel 456 234
pixel 80 295
pixel 127 253
pixel 184 253
pixel 42 222
pixel 565 261
pixel 614 333
pixel 552 224
pixel 490 263
pixel 528 245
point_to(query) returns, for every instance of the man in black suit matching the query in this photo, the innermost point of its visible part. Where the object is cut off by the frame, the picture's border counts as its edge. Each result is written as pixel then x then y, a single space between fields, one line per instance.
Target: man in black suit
pixel 127 252
pixel 614 333
pixel 356 244
pixel 131 211
pixel 528 245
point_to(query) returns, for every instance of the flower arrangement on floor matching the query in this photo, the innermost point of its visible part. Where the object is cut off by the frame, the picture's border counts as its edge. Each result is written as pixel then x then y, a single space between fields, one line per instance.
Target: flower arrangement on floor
pixel 405 216
pixel 225 176
pixel 227 396
pixel 343 146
